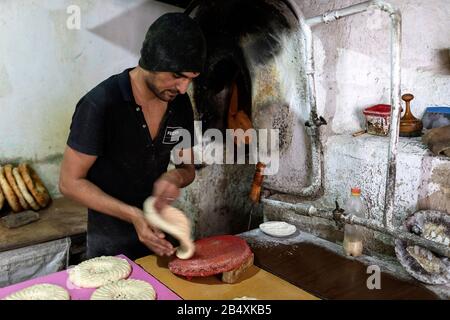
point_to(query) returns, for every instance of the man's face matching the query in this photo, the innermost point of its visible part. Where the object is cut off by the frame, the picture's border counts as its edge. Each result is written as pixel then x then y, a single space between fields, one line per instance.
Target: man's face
pixel 167 85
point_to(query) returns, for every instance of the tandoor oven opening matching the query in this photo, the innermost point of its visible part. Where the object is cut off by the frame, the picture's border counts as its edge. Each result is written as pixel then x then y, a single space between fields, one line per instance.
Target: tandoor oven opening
pixel 237 31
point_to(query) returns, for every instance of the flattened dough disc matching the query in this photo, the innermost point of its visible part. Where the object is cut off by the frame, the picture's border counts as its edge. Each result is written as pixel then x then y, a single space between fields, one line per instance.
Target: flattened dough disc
pixel 213 255
pixel 43 291
pixel 99 271
pixel 277 228
pixel 130 289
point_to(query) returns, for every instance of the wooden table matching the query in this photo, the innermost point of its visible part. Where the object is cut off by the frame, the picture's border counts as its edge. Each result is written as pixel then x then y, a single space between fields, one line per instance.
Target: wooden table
pixel 255 282
pixel 290 269
pixel 63 218
pixel 324 273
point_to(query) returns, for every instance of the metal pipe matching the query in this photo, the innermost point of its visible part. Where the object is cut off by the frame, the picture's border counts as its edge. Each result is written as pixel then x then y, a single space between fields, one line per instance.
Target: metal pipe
pixel 396 28
pixel 313 132
pixel 334 15
pixel 311 211
pixel 396 36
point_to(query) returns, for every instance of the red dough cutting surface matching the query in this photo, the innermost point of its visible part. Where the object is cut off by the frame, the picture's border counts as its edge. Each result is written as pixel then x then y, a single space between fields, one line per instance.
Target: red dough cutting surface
pixel 213 255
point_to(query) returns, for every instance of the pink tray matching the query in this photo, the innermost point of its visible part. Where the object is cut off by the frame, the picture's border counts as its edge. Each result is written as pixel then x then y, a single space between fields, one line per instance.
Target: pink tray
pixel 62 279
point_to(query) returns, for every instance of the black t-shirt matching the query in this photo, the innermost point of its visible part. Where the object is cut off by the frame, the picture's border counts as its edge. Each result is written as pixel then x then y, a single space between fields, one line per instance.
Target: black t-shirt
pixel 109 124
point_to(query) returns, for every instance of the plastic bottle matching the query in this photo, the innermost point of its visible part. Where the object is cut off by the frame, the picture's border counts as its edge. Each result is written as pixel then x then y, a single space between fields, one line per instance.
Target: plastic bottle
pixel 353 236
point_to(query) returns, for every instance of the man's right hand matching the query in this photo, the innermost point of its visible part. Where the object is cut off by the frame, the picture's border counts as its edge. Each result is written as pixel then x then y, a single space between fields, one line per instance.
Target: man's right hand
pixel 150 236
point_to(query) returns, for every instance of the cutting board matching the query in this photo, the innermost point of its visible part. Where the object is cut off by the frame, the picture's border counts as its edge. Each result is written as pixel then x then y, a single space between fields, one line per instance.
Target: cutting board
pixel 256 283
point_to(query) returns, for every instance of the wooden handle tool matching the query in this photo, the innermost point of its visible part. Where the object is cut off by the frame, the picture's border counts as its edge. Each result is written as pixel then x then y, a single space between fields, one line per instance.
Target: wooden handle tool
pixel 258 178
pixel 410 126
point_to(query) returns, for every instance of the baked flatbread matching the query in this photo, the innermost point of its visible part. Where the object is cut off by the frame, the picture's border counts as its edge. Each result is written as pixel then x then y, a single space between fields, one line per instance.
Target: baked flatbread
pixel 24 191
pixel 34 185
pixel 2 199
pixel 12 183
pixel 10 196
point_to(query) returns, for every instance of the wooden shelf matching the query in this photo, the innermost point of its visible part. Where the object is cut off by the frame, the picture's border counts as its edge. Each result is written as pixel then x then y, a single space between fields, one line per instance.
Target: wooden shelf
pixel 63 218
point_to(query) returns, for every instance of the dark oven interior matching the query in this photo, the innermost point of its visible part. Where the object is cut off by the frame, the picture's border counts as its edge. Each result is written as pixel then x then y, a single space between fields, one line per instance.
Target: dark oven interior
pixel 223 93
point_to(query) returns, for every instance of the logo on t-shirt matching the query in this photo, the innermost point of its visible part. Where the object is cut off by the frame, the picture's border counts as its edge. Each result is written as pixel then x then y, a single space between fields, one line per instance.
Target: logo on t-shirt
pixel 172 135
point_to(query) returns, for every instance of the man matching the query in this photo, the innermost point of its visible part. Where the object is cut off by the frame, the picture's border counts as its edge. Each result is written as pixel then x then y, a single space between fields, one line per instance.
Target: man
pixel 120 141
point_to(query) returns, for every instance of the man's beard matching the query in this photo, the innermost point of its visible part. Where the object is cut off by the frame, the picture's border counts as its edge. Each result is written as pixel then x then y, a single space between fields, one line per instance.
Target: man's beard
pixel 168 95
pixel 165 95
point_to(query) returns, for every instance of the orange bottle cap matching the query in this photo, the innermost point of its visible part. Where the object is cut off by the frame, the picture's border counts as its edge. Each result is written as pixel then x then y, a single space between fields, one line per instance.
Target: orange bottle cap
pixel 356 191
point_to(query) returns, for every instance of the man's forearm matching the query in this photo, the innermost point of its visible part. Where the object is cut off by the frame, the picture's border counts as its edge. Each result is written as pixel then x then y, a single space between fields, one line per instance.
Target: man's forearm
pixel 91 196
pixel 182 176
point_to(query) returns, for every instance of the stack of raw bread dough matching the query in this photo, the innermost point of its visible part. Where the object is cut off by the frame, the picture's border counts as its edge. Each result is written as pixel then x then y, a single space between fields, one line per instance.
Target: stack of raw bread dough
pixel 22 188
pixel 108 275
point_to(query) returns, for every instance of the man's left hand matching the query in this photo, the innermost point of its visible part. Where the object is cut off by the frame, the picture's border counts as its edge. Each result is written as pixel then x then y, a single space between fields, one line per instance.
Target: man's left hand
pixel 165 191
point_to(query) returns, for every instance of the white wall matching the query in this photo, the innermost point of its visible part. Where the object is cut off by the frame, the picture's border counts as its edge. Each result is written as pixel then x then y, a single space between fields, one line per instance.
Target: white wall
pixel 45 68
pixel 353 66
pixel 353 72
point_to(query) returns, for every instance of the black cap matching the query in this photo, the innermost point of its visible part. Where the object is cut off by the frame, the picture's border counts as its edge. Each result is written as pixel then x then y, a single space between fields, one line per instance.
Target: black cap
pixel 174 43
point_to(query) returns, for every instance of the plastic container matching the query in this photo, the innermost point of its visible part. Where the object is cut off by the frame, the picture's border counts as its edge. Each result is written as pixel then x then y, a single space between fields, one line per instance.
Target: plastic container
pixel 378 119
pixel 353 235
pixel 436 117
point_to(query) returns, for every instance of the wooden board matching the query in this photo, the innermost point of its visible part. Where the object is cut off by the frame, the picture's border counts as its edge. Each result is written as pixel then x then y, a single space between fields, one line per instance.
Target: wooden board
pixel 63 218
pixel 234 276
pixel 256 283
